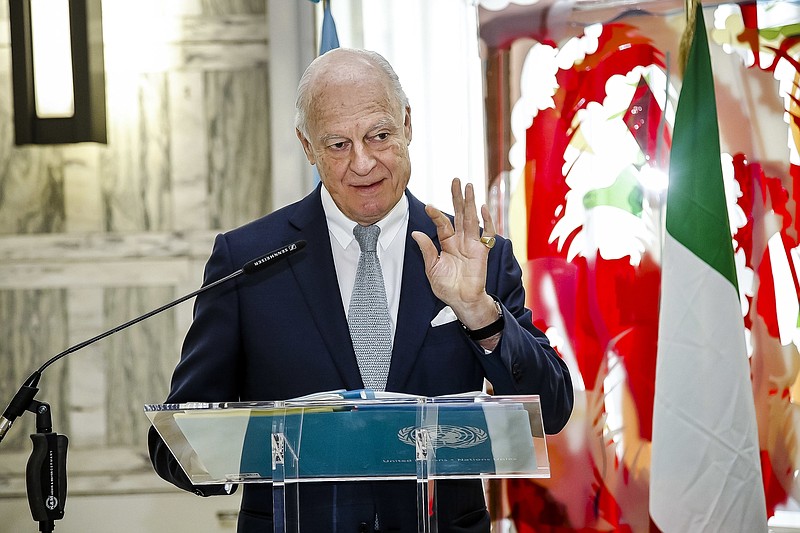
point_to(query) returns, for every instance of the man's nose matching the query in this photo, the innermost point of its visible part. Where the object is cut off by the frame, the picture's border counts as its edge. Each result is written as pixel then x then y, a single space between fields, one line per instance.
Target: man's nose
pixel 362 161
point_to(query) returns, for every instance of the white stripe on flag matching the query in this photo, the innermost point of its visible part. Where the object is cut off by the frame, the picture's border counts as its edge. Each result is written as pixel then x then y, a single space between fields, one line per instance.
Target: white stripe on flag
pixel 705 469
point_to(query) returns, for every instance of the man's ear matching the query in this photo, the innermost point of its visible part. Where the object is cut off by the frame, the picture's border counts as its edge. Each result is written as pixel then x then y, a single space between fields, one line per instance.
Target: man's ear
pixel 306 147
pixel 407 124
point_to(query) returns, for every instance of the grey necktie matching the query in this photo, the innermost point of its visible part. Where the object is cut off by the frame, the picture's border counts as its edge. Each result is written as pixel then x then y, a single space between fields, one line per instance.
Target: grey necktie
pixel 368 316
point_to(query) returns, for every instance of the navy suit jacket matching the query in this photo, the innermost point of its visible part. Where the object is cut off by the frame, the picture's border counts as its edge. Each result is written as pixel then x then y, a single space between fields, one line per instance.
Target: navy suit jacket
pixel 282 333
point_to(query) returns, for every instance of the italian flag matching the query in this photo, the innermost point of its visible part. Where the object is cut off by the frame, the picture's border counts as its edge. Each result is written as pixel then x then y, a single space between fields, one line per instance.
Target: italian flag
pixel 705 473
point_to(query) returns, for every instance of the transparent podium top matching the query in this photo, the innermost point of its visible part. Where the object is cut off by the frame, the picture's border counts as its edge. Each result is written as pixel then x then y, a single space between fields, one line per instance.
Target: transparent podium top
pixel 356 436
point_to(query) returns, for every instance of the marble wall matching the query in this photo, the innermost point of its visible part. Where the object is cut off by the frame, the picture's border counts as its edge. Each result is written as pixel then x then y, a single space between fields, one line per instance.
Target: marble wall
pixel 93 235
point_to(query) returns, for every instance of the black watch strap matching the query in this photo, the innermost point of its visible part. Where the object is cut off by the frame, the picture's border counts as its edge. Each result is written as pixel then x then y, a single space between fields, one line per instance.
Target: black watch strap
pixel 487 331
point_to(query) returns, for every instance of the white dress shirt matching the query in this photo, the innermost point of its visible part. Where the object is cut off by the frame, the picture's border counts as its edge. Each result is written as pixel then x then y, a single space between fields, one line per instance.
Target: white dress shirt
pixel 391 249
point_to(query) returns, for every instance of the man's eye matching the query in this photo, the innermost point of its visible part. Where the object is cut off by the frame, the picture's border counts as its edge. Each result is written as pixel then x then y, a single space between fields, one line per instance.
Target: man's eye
pixel 338 146
pixel 382 136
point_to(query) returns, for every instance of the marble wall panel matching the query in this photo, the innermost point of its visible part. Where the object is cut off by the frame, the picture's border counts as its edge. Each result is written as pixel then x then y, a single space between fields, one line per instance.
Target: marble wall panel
pixel 87 369
pixel 83 194
pixel 6 106
pixel 139 363
pixel 238 158
pixel 33 327
pixel 207 113
pixel 93 235
pixel 72 248
pixel 190 196
pixel 224 7
pixel 135 167
pixel 32 191
pixel 223 27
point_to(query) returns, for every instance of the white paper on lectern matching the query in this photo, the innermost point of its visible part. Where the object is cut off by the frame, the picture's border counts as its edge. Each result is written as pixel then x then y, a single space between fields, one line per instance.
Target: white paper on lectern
pixel 221 449
pixel 510 435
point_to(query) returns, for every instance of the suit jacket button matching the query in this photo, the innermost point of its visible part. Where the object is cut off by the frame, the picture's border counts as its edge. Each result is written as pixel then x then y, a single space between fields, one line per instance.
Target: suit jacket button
pixel 516 371
pixel 363 527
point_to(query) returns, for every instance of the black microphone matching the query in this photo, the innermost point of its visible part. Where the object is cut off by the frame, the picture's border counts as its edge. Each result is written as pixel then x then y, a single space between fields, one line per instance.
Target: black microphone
pixel 256 265
pixel 24 397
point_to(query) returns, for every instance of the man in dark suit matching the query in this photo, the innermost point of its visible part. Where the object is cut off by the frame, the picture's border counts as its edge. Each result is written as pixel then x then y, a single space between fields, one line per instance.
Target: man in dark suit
pixel 454 297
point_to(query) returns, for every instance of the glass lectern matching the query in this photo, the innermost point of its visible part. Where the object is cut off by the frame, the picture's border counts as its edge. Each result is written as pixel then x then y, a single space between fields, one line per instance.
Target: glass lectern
pixel 310 439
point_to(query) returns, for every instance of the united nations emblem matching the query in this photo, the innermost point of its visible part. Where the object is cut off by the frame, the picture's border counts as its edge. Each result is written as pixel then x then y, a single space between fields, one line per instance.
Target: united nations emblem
pixel 445 436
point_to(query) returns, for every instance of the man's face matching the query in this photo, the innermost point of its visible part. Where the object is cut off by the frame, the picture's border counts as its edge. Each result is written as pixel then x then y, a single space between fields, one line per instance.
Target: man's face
pixel 358 137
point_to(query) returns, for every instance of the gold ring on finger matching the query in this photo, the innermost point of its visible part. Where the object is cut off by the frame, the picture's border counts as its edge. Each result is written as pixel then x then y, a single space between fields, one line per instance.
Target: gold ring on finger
pixel 488 241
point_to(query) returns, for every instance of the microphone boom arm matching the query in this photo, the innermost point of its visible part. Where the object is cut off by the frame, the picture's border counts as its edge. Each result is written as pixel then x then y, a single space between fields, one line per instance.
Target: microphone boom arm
pixel 24 399
pixel 45 474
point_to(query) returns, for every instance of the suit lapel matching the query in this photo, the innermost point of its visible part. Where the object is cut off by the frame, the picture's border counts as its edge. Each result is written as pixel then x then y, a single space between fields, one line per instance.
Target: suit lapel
pixel 418 305
pixel 316 277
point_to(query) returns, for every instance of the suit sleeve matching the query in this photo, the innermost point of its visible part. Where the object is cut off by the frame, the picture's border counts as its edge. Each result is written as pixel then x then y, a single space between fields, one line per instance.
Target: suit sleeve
pixel 524 362
pixel 207 371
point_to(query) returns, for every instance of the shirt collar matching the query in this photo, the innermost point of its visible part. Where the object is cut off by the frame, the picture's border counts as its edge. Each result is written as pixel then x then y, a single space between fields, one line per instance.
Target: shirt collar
pixel 341 227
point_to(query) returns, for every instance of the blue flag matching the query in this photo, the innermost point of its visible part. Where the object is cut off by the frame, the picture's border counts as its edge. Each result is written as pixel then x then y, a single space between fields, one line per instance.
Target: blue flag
pixel 329 38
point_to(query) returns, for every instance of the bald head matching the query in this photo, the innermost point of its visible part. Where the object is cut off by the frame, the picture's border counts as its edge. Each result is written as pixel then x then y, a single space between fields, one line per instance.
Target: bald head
pixel 341 67
pixel 354 124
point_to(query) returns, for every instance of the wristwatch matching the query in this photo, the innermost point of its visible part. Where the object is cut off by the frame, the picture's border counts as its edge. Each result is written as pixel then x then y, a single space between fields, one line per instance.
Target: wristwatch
pixel 487 331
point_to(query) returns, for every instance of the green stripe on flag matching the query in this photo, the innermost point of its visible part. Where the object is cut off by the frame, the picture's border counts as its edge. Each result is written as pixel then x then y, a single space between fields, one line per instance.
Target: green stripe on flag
pixel 697 214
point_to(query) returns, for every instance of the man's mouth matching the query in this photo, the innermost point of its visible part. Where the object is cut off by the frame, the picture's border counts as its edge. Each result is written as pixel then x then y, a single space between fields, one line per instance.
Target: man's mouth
pixel 368 187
